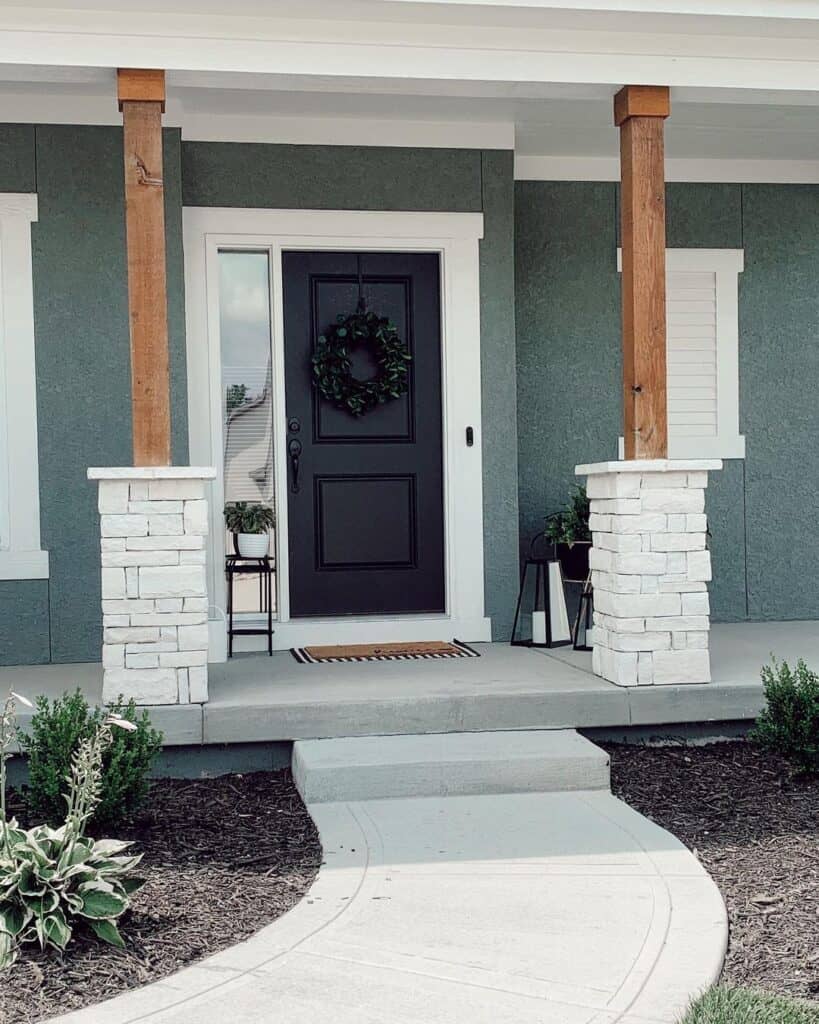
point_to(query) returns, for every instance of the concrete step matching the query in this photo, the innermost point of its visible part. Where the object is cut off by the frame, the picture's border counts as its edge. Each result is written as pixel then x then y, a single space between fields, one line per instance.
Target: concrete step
pixel 449 764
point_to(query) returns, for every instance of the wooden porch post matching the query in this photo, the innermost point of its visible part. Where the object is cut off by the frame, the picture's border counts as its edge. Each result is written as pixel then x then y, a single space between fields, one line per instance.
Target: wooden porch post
pixel 141 95
pixel 639 112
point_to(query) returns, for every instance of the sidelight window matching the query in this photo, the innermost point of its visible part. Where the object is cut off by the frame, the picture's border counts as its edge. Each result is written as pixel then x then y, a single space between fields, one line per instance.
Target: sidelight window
pixel 247 394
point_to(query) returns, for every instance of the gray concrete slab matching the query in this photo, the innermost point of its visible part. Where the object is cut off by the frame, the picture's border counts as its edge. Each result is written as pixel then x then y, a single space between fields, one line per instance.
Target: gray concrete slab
pixel 566 908
pixel 181 725
pixel 259 699
pixel 447 764
pixel 507 687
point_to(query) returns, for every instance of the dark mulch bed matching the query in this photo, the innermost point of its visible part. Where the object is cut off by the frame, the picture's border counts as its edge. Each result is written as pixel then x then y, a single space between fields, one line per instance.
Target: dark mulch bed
pixel 223 857
pixel 755 827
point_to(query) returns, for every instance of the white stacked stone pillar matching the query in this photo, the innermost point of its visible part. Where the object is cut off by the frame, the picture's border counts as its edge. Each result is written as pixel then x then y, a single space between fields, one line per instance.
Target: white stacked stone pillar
pixel 153 525
pixel 650 570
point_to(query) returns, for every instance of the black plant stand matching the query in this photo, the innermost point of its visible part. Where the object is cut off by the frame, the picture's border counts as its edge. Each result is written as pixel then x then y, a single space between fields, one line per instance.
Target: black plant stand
pixel 236 565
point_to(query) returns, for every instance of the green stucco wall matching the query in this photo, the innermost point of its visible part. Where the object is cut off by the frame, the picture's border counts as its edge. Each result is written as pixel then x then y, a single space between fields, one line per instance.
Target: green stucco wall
pixel 762 510
pixel 458 180
pixel 81 328
pixel 83 368
pixel 548 272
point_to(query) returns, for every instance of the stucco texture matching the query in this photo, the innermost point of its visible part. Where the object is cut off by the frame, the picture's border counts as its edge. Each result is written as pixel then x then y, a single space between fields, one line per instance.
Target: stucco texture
pixel 764 528
pixel 82 341
pixel 83 369
pixel 375 178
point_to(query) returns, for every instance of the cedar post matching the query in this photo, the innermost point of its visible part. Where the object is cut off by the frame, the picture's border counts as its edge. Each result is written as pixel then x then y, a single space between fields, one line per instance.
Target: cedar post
pixel 639 112
pixel 141 95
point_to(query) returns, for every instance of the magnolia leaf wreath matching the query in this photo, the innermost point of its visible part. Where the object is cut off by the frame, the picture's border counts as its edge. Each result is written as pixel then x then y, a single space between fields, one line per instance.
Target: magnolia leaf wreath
pixel 332 363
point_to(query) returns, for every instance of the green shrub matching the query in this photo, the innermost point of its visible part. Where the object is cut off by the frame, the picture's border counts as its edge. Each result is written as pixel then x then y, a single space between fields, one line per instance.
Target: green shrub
pixel 54 880
pixel 790 722
pixel 58 727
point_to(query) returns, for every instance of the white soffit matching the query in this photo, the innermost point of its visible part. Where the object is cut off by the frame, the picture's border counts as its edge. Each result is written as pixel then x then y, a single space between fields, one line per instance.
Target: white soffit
pixel 558 131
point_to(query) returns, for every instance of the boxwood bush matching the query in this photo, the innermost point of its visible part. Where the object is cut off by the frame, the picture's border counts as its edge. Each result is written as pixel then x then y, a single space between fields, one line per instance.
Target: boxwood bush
pixel 56 730
pixel 789 724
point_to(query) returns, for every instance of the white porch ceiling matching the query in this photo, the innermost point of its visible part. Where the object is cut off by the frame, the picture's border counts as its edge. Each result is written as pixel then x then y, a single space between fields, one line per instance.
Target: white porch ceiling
pixel 556 129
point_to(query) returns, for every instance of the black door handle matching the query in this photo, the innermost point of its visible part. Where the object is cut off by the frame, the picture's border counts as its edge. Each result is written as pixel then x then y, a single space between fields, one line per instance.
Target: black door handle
pixel 294 451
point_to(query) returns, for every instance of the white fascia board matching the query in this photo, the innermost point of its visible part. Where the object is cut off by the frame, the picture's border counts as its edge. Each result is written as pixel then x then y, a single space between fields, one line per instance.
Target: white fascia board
pixel 581 168
pixel 60 107
pixel 727 8
pixel 352 131
pixel 377 49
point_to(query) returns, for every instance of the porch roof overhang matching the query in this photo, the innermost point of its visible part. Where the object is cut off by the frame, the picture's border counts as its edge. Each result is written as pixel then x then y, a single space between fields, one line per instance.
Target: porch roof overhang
pixel 724 45
pixel 533 76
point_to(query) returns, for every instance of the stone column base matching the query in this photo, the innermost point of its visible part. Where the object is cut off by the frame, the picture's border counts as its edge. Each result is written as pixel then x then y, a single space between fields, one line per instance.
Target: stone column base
pixel 650 570
pixel 153 525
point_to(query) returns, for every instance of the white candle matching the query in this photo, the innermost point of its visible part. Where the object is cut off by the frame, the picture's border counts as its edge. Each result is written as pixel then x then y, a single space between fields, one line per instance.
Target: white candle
pixel 538 627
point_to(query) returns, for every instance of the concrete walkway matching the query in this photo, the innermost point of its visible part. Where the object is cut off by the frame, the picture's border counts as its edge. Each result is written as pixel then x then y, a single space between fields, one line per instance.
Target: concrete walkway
pixel 520 908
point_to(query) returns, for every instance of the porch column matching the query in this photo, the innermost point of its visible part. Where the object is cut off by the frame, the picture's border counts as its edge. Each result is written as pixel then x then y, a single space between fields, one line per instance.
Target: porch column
pixel 141 95
pixel 639 112
pixel 650 570
pixel 153 516
pixel 649 561
pixel 153 526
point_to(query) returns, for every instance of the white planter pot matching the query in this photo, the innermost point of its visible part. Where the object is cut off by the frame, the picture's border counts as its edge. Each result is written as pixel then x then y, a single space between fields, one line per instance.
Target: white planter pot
pixel 253 545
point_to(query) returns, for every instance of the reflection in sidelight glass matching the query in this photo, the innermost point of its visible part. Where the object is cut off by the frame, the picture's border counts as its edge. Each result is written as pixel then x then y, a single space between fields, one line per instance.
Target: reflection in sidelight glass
pixel 247 402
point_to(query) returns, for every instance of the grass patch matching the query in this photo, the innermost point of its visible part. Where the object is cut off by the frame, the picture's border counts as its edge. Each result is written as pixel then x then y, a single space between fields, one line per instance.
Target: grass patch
pixel 726 1005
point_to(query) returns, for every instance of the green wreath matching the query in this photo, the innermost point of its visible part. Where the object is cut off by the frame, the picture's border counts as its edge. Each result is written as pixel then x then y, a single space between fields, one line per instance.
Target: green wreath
pixel 332 365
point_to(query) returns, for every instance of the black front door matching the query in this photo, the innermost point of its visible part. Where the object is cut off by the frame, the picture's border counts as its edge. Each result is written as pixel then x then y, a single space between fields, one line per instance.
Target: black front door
pixel 365 493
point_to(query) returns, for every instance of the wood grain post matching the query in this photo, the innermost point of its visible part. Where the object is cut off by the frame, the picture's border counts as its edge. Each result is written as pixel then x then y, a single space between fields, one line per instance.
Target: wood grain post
pixel 141 95
pixel 639 112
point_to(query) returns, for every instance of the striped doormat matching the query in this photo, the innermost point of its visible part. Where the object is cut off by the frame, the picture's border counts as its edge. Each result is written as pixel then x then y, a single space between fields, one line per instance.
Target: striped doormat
pixel 419 650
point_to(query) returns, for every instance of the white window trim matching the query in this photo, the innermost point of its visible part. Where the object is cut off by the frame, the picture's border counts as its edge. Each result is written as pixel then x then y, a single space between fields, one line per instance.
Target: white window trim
pixel 455 236
pixel 21 557
pixel 727 265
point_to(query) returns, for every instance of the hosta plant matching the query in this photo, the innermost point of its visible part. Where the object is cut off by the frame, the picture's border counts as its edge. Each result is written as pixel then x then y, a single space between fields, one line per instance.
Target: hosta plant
pixel 54 880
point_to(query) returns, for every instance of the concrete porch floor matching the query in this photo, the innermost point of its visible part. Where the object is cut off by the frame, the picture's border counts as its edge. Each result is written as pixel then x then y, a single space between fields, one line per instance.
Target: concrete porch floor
pixel 255 698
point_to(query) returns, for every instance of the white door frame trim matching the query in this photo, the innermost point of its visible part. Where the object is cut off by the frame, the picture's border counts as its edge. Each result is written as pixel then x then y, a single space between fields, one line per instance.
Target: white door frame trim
pixel 455 236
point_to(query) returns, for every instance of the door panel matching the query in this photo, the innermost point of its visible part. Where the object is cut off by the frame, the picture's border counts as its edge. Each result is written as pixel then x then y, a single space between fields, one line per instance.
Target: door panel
pixel 366 522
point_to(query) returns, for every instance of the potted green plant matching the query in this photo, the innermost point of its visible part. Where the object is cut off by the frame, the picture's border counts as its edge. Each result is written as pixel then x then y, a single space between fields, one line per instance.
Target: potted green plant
pixel 250 523
pixel 569 531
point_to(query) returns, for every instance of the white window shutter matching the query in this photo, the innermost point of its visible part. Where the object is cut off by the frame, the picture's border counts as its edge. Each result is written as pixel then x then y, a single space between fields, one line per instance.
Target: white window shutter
pixel 702 318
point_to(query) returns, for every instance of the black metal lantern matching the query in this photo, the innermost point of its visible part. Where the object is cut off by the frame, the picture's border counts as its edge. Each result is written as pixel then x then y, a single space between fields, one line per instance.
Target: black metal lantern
pixel 583 619
pixel 548 598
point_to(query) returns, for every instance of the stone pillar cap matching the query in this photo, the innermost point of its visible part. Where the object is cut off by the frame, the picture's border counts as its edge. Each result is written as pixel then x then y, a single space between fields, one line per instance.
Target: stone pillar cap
pixel 648 466
pixel 152 473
